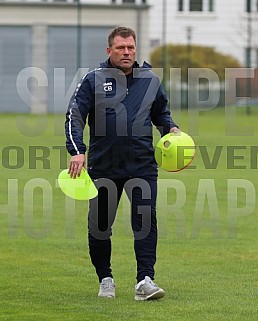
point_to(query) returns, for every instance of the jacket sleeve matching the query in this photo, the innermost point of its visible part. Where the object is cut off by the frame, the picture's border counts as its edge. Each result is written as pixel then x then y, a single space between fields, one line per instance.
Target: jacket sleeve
pixel 160 115
pixel 78 109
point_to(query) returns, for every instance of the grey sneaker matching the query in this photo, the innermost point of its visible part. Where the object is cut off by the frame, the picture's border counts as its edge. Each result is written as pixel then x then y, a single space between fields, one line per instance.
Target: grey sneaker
pixel 107 288
pixel 148 290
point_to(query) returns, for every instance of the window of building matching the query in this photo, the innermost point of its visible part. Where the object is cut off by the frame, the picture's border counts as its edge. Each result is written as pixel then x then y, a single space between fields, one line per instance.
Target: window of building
pixel 248 5
pixel 196 5
pixel 211 5
pixel 180 5
pixel 251 5
pixel 128 1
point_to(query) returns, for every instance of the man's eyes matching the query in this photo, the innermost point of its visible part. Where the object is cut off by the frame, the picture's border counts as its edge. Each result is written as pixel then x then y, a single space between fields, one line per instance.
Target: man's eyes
pixel 123 48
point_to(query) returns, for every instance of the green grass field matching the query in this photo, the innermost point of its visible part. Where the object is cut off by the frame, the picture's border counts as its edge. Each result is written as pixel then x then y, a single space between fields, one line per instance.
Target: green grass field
pixel 207 259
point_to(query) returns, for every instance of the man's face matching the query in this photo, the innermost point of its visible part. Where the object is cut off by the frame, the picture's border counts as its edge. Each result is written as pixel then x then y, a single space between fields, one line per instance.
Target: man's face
pixel 122 53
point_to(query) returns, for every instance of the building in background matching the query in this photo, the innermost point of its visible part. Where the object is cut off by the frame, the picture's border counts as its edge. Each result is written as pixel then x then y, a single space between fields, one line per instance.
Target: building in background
pixel 57 37
pixel 44 43
pixel 230 26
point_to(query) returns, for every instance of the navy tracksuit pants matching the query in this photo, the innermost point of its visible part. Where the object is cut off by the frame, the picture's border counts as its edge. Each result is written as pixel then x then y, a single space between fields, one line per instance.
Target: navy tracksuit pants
pixel 142 193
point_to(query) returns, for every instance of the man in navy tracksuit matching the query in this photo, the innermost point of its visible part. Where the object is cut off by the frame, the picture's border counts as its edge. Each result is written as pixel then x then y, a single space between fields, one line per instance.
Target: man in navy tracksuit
pixel 121 101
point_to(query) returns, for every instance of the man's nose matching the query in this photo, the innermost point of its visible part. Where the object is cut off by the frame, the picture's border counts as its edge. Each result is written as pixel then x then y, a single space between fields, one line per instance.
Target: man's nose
pixel 126 51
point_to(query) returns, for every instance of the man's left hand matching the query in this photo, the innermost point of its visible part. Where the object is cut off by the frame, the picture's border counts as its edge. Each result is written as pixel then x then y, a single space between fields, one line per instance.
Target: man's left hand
pixel 174 130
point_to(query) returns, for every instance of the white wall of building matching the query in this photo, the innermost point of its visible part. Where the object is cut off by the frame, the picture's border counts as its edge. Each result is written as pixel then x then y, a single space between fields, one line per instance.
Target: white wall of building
pixel 224 29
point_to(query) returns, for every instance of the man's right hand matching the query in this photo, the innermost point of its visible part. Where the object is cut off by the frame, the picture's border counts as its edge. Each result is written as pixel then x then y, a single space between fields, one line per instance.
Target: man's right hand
pixel 77 162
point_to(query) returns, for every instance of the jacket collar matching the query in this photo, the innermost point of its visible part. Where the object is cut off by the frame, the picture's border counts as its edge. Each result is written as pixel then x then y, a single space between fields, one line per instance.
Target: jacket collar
pixel 107 64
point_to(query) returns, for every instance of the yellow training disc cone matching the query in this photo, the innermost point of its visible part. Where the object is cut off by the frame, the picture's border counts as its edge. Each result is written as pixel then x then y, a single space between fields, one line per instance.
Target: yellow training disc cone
pixel 175 151
pixel 79 188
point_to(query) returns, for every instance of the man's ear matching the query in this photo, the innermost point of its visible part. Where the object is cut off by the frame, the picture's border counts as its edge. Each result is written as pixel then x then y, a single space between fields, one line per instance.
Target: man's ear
pixel 108 51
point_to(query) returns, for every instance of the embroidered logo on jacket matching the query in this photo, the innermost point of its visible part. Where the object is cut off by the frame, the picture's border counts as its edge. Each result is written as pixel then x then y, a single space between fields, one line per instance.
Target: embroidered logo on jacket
pixel 108 86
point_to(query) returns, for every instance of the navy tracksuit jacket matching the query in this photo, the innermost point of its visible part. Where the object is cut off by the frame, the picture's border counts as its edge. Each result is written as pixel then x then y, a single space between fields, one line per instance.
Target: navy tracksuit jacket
pixel 121 110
